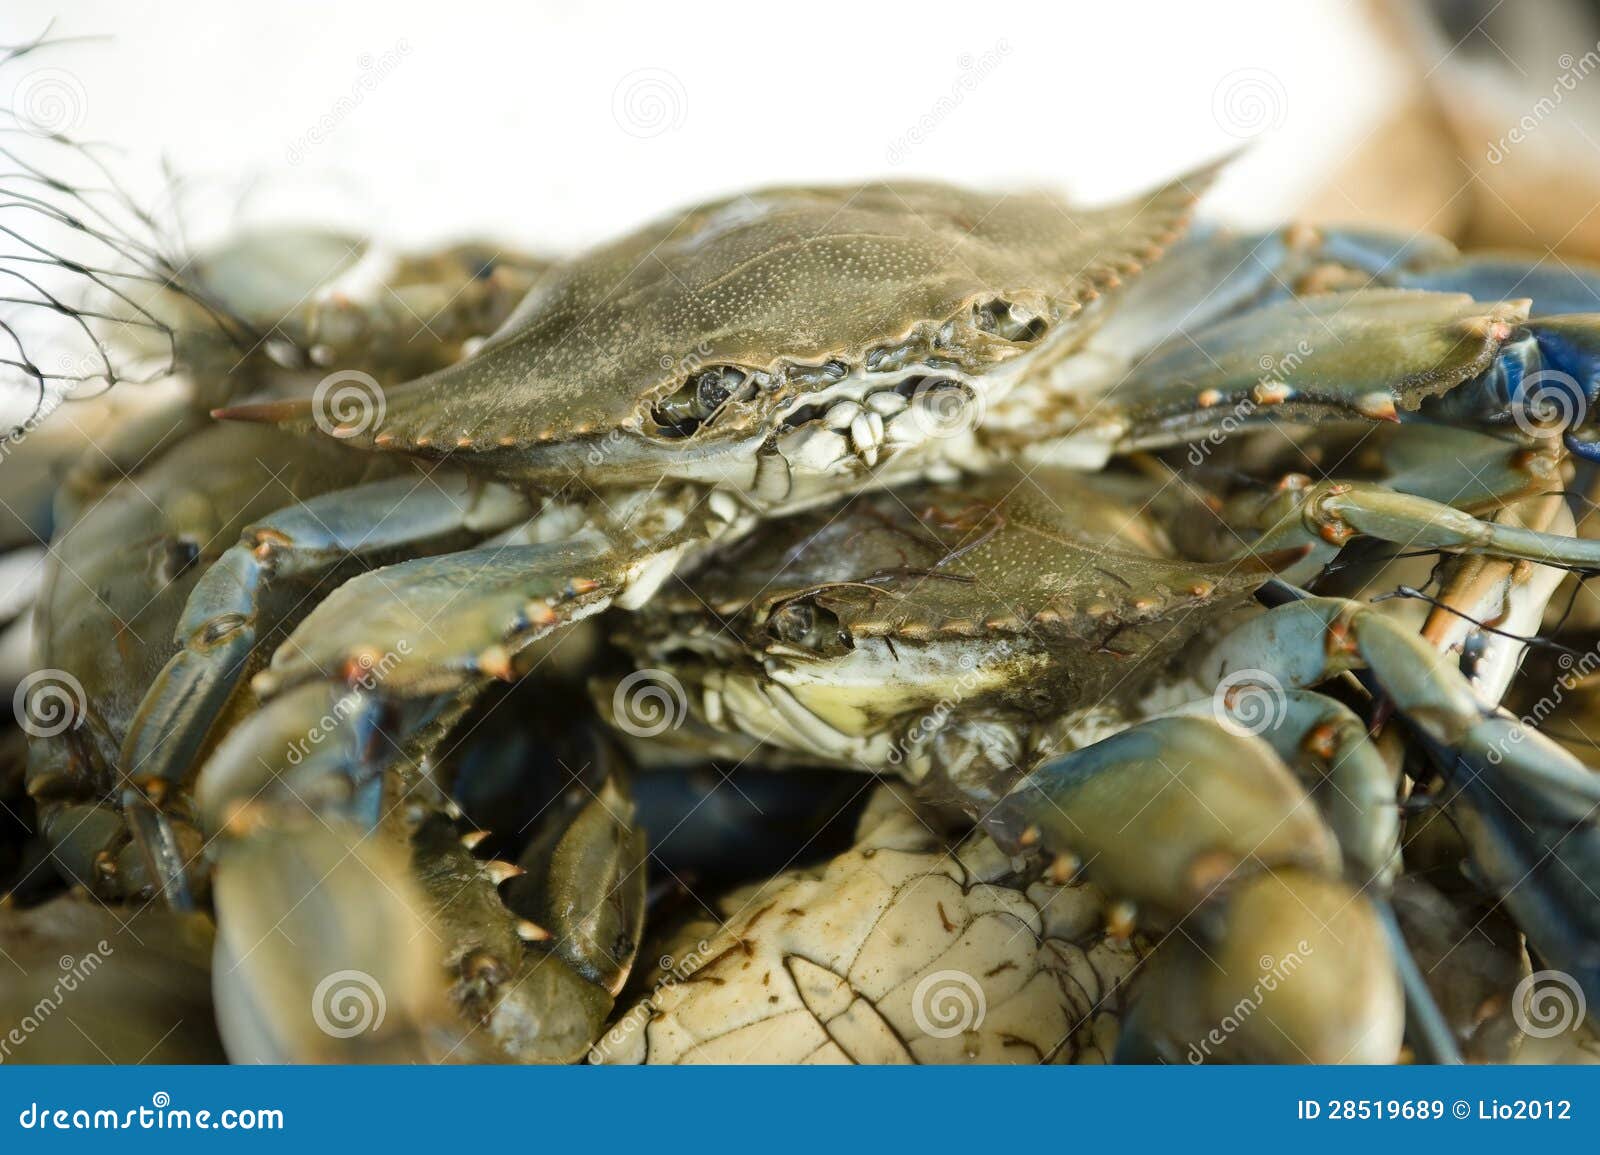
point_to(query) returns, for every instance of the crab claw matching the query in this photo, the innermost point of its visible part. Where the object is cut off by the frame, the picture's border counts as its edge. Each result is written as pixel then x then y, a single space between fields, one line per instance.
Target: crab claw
pixel 1286 967
pixel 1528 810
pixel 324 952
pixel 1166 812
pixel 138 976
pixel 499 961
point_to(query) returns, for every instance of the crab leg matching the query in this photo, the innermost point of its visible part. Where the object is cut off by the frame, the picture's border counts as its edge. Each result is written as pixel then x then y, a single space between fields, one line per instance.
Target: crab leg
pixel 1355 788
pixel 1327 514
pixel 228 610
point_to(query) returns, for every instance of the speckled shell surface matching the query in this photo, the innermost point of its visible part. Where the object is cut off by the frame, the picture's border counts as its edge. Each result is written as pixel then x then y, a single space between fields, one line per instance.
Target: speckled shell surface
pixel 786 276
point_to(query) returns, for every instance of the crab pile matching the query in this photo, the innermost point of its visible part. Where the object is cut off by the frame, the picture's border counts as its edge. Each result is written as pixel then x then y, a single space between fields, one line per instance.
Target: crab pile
pixel 887 623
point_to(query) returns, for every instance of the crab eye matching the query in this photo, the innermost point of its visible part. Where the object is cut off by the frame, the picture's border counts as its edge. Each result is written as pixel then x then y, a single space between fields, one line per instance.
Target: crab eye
pixel 715 386
pixel 803 624
pixel 793 622
pixel 1012 322
pixel 699 399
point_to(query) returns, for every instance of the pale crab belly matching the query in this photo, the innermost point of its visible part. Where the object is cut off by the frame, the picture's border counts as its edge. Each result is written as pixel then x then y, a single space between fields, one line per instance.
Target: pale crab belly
pixel 877 708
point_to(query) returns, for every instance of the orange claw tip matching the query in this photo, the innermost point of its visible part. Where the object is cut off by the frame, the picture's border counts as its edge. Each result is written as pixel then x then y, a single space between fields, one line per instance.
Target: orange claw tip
pixel 1378 406
pixel 495 662
pixel 529 931
pixel 498 871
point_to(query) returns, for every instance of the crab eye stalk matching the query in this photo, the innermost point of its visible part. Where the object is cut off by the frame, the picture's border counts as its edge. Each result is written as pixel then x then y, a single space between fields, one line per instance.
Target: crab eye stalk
pixel 700 398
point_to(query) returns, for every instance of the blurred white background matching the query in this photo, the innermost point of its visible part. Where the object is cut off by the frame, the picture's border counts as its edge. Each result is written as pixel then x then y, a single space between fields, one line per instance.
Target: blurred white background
pixel 554 124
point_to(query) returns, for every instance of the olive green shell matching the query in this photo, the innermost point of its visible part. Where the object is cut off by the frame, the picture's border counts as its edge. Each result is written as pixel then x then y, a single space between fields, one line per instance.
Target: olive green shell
pixel 768 281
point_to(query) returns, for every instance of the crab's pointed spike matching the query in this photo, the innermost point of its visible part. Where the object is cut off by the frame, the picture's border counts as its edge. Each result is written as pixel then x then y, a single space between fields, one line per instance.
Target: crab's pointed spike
pixel 289 411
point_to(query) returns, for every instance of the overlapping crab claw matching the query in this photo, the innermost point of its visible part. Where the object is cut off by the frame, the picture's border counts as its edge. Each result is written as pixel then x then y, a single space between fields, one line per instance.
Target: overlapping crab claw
pixel 1207 831
pixel 788 344
pixel 324 952
pixel 1528 811
pixel 309 806
pixel 1365 354
pixel 130 986
pixel 1288 967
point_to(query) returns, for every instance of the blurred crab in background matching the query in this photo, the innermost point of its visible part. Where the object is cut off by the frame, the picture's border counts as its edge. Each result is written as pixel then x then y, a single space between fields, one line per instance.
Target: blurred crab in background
pixel 451 623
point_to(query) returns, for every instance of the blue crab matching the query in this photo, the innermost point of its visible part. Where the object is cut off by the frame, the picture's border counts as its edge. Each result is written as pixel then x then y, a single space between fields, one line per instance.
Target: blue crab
pixel 652 403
